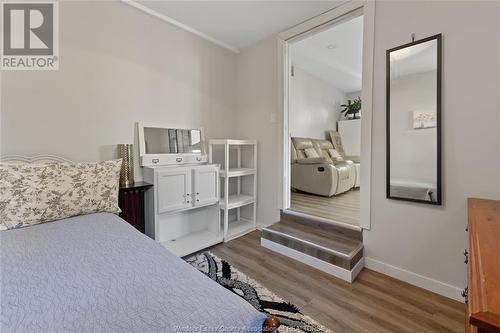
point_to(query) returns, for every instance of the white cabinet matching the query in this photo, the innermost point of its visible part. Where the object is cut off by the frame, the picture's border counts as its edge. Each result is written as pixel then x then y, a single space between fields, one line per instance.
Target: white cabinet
pixel 206 185
pixel 174 189
pixel 182 213
pixel 184 188
pixel 350 132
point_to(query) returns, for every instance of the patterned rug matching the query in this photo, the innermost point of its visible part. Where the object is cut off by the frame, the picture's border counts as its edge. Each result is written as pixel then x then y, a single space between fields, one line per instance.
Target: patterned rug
pixel 292 320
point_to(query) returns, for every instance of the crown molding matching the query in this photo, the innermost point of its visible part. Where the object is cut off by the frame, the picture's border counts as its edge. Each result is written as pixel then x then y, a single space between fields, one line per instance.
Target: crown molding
pixel 180 25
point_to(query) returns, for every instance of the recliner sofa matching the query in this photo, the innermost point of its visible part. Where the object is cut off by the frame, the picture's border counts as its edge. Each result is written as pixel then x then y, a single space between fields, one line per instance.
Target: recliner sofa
pixel 318 173
pixel 337 144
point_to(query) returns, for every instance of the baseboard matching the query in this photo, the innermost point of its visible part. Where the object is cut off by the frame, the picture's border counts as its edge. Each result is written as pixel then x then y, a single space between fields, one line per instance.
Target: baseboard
pixel 261 226
pixel 324 266
pixel 415 279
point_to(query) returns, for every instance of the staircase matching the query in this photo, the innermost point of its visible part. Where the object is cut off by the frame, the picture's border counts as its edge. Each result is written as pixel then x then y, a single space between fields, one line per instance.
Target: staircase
pixel 334 248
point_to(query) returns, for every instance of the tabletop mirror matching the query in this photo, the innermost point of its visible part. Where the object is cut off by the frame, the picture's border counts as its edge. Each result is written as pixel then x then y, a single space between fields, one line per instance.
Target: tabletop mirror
pixel 414 121
pixel 167 145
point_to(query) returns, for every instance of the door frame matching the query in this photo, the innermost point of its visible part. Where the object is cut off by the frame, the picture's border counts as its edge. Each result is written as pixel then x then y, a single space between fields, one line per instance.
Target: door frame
pixel 304 30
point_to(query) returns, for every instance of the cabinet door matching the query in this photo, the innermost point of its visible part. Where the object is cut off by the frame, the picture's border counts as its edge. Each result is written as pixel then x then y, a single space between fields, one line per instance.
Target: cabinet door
pixel 174 190
pixel 206 185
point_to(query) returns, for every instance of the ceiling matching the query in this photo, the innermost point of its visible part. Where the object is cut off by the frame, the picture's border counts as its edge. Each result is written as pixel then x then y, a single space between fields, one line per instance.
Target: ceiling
pixel 415 59
pixel 235 24
pixel 334 55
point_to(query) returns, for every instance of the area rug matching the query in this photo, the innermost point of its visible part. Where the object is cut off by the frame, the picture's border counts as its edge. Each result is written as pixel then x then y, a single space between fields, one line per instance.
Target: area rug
pixel 291 318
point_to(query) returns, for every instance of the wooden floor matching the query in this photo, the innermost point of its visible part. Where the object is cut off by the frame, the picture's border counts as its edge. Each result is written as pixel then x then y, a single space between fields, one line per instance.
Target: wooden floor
pixel 341 208
pixel 373 303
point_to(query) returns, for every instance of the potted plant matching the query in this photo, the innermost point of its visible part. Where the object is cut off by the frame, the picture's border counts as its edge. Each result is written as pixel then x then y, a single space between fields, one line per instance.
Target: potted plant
pixel 352 108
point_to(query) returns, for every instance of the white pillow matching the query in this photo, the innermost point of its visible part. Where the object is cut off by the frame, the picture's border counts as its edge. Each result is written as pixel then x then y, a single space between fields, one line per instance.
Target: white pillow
pixel 38 193
pixel 335 155
pixel 311 153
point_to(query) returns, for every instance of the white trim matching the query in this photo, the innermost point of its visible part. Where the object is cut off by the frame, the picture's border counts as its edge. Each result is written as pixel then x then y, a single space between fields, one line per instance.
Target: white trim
pixel 312 26
pixel 324 266
pixel 179 25
pixel 366 118
pixel 415 279
pixel 282 69
pixel 322 19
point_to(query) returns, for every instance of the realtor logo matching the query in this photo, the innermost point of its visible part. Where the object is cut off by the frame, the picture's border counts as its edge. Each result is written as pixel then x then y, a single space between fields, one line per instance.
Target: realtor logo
pixel 30 36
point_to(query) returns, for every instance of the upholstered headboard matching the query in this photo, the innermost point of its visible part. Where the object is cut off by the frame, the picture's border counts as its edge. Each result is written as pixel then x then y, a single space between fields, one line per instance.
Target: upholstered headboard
pixel 33 159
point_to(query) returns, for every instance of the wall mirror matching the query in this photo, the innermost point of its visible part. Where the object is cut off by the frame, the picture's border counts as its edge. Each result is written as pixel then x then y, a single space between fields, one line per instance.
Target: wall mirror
pixel 414 121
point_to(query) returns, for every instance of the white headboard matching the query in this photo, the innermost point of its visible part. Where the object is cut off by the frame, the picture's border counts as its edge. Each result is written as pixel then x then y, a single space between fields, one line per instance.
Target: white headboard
pixel 34 159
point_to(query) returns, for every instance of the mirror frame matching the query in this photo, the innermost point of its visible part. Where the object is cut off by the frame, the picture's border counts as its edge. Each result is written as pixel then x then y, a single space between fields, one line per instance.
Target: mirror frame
pixel 149 160
pixel 438 201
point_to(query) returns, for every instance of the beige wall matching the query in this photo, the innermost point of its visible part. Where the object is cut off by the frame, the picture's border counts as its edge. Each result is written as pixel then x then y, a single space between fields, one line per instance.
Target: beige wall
pixel 258 118
pixel 119 67
pixel 427 243
pixel 419 238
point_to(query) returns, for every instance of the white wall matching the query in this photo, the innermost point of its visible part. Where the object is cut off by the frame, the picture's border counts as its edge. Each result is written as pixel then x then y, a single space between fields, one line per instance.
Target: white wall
pixel 423 240
pixel 314 106
pixel 353 95
pixel 119 67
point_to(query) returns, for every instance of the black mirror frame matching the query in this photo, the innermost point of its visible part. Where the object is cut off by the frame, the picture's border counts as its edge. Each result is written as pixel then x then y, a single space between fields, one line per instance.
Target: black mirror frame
pixel 438 201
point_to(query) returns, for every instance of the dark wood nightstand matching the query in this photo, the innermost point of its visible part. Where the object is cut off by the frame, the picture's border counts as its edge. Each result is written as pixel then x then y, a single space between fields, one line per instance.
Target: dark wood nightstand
pixel 131 202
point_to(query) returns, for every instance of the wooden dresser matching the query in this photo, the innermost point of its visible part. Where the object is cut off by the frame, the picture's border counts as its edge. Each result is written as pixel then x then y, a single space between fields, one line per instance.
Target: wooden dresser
pixel 483 294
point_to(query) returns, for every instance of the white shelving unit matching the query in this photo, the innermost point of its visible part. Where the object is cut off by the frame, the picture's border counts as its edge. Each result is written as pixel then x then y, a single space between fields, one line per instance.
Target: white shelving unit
pixel 238 176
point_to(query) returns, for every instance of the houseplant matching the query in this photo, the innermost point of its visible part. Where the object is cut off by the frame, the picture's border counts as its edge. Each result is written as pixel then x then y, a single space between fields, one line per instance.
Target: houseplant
pixel 352 108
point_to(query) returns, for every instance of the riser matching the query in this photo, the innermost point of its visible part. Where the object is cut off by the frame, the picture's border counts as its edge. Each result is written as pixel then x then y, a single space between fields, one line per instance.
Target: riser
pixel 342 260
pixel 339 272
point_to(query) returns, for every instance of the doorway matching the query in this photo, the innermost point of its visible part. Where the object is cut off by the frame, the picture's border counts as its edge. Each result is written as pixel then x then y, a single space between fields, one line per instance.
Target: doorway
pixel 327 121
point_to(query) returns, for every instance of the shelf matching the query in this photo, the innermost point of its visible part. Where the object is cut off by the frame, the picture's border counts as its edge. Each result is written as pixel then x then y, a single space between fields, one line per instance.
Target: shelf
pixel 232 142
pixel 192 242
pixel 236 172
pixel 239 228
pixel 239 159
pixel 237 200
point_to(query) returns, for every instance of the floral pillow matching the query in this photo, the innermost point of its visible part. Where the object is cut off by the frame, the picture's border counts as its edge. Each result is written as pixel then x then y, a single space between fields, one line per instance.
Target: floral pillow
pixel 37 193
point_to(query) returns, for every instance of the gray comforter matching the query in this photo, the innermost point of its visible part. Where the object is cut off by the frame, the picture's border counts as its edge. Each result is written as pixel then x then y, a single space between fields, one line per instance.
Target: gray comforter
pixel 96 273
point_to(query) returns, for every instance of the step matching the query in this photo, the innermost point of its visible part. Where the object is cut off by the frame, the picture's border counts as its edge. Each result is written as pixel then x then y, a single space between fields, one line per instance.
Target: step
pixel 328 247
pixel 347 230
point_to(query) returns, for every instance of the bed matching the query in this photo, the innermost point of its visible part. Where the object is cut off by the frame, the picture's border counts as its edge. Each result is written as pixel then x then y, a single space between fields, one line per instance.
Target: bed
pixel 96 273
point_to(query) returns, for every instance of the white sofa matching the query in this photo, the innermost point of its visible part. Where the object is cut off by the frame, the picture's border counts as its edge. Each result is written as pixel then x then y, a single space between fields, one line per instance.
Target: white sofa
pixel 337 144
pixel 319 175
